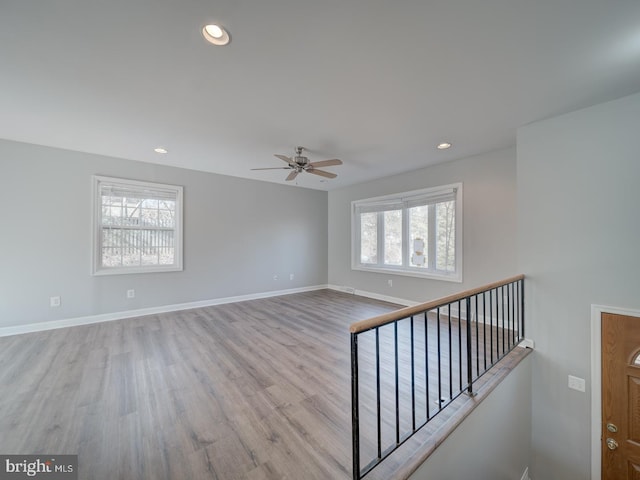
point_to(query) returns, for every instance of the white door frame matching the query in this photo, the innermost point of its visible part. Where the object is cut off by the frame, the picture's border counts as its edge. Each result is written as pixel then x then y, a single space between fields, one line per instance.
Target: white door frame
pixel 596 381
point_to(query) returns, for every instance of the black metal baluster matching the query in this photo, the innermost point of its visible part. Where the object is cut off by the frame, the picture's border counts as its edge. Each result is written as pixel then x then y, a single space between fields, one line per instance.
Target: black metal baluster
pixel 518 312
pixel 522 307
pixel 450 356
pixel 509 335
pixel 498 329
pixel 502 303
pixel 355 411
pixel 439 363
pixel 469 366
pixel 426 362
pixel 516 302
pixel 513 315
pixel 379 423
pixel 460 344
pixel 413 382
pixel 477 340
pixel 491 324
pixel 395 337
pixel 484 328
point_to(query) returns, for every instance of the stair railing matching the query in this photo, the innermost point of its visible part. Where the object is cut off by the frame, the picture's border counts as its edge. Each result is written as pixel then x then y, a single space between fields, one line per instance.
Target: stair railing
pixel 409 365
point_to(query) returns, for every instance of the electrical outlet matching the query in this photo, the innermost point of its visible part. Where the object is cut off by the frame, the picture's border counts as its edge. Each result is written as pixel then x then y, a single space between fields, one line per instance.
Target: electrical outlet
pixel 131 293
pixel 275 277
pixel 390 283
pixel 576 383
pixel 291 276
pixel 54 301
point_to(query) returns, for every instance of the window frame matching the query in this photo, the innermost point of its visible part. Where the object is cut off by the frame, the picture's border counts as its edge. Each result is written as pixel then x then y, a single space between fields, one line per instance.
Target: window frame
pixel 98 182
pixel 406 200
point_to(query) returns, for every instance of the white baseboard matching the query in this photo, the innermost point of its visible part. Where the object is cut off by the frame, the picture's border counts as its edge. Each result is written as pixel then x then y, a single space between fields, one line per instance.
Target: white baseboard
pixel 375 296
pixel 106 317
pixel 525 474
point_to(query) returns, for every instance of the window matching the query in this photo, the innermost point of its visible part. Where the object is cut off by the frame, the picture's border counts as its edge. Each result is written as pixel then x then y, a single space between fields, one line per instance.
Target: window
pixel 137 226
pixel 415 233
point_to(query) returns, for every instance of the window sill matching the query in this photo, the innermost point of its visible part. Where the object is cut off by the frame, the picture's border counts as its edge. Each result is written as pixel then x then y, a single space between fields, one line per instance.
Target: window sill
pixel 135 270
pixel 445 277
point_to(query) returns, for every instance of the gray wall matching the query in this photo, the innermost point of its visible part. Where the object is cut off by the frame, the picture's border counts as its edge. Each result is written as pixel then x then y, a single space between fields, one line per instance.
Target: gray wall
pixel 493 442
pixel 578 231
pixel 237 234
pixel 489 228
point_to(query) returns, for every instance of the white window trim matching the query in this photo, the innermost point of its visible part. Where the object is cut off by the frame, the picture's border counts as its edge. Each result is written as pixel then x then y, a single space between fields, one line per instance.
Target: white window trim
pixel 96 267
pixel 410 271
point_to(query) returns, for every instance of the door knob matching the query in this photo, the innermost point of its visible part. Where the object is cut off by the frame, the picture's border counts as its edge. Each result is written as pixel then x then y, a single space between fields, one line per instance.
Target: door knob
pixel 612 444
pixel 612 428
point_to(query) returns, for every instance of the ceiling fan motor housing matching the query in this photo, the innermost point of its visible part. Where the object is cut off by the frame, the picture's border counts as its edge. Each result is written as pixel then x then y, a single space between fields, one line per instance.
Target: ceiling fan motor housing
pixel 300 160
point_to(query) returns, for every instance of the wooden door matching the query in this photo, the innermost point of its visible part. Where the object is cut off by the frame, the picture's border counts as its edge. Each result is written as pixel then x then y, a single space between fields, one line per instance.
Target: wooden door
pixel 620 397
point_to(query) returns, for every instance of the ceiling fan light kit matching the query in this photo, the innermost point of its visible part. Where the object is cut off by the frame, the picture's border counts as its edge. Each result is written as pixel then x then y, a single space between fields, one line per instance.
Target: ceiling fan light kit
pixel 299 163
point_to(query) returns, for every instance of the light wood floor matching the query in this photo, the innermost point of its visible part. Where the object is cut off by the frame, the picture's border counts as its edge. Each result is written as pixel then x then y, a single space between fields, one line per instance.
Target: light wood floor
pixel 253 390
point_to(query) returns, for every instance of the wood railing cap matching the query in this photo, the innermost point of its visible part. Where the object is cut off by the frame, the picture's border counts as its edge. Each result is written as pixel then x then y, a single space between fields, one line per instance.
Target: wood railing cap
pixel 384 319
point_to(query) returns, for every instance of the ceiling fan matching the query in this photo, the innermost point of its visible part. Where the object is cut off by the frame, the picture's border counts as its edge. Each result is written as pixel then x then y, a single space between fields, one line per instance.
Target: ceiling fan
pixel 299 163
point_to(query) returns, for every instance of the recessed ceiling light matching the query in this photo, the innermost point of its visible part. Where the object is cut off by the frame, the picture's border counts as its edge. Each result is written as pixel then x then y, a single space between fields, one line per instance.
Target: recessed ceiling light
pixel 160 150
pixel 215 34
pixel 214 30
pixel 444 145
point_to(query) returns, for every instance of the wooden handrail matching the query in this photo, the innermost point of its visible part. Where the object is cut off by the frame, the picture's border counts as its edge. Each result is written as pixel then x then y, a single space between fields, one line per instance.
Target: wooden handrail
pixel 390 317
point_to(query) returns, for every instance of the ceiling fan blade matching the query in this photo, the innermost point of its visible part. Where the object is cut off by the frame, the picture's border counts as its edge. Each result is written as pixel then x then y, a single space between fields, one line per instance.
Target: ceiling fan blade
pixel 272 168
pixel 326 163
pixel 284 157
pixel 322 173
pixel 291 176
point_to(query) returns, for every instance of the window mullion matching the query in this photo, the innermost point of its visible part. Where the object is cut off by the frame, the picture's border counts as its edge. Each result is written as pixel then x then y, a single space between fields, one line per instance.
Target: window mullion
pixel 380 240
pixel 432 237
pixel 357 234
pixel 406 245
pixel 121 243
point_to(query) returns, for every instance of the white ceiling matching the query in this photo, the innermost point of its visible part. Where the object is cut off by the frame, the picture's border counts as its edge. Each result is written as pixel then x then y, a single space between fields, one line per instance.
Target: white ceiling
pixel 375 83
